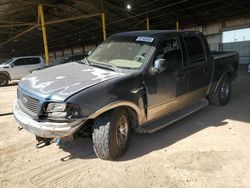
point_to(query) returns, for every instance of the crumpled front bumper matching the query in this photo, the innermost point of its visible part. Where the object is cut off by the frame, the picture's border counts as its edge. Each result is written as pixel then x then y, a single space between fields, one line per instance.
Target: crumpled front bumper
pixel 44 128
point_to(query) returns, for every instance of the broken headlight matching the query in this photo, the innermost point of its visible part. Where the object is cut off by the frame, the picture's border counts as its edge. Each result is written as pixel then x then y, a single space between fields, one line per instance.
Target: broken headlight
pixel 56 107
pixel 62 111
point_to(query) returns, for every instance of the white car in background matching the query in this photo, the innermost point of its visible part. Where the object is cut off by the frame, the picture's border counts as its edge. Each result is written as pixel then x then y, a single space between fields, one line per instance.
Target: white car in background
pixel 18 67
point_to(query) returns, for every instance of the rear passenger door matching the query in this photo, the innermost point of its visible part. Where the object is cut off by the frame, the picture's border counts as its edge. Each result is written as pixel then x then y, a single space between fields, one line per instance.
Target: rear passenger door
pixel 32 64
pixel 199 70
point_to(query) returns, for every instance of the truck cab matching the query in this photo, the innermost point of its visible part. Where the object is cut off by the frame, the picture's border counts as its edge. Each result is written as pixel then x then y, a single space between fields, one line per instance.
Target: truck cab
pixel 185 76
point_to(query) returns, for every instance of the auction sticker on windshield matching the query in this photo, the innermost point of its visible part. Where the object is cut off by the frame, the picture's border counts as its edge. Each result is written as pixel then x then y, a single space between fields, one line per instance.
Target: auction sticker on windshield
pixel 145 39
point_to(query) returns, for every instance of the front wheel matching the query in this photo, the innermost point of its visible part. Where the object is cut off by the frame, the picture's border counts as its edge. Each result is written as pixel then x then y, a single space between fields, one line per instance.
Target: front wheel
pixel 3 80
pixel 111 134
pixel 223 93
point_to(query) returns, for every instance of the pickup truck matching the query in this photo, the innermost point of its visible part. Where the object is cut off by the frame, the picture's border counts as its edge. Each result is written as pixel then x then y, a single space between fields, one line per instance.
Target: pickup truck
pixel 18 67
pixel 138 81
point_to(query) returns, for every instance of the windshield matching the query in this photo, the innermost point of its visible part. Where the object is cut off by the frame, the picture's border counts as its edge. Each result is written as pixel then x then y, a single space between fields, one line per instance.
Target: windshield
pixel 8 61
pixel 122 52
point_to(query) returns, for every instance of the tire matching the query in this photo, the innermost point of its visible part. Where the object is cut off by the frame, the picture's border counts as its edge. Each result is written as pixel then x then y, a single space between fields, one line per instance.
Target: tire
pixel 3 80
pixel 110 142
pixel 223 93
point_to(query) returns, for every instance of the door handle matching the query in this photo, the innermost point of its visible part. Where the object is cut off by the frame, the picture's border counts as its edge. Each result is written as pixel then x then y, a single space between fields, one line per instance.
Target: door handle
pixel 181 76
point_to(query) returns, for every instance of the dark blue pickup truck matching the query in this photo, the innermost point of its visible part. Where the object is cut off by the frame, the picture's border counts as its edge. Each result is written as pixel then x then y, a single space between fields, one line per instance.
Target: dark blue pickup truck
pixel 137 81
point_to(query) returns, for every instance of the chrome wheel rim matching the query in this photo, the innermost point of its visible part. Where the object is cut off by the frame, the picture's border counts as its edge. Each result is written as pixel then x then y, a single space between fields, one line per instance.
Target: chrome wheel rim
pixel 224 90
pixel 122 131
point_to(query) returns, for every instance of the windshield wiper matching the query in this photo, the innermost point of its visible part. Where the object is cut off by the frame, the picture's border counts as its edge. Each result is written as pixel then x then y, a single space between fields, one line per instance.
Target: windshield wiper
pixel 103 65
pixel 115 68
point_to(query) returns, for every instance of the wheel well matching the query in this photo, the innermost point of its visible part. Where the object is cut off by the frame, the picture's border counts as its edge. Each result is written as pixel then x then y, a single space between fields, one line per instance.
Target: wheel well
pixel 230 75
pixel 6 74
pixel 232 72
pixel 133 117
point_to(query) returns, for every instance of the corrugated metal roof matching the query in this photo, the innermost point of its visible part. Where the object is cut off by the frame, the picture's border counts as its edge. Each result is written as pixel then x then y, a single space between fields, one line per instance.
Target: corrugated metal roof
pixel 18 15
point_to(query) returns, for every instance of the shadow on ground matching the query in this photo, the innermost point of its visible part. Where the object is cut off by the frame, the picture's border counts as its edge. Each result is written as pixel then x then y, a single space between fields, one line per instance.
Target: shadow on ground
pixel 79 148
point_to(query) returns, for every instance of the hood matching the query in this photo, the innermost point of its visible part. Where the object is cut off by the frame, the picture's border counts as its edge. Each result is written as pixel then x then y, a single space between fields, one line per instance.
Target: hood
pixel 60 82
pixel 1 66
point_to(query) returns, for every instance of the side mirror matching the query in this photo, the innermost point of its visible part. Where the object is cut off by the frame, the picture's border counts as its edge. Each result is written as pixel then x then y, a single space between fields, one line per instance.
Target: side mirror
pixel 159 66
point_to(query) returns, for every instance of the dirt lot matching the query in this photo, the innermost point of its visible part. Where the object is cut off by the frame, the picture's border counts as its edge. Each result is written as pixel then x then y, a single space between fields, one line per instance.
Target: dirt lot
pixel 210 148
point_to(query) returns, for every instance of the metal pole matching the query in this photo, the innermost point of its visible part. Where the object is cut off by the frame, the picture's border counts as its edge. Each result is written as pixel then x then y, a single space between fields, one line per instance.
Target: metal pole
pixel 177 25
pixel 104 26
pixel 45 42
pixel 148 27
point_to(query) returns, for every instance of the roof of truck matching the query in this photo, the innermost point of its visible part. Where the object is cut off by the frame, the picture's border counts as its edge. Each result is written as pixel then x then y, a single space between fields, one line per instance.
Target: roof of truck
pixel 153 32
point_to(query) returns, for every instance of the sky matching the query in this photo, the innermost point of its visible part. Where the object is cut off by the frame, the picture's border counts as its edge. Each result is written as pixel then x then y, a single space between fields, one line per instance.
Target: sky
pixel 236 35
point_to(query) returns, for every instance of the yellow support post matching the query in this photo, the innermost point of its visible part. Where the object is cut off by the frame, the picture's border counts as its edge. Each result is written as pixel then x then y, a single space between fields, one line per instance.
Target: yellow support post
pixel 45 42
pixel 177 25
pixel 148 27
pixel 104 26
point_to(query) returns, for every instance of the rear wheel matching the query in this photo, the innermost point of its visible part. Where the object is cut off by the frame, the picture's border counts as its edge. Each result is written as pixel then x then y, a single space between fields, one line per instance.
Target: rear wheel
pixel 3 80
pixel 111 134
pixel 223 93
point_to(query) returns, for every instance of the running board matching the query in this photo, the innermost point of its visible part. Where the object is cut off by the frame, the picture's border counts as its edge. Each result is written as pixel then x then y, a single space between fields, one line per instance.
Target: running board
pixel 168 120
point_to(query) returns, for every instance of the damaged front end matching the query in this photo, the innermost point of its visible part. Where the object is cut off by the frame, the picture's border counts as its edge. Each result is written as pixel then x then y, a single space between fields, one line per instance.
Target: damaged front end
pixel 46 119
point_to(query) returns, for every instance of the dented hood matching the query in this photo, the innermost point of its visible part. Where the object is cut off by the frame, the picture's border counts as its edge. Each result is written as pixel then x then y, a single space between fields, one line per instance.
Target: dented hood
pixel 62 81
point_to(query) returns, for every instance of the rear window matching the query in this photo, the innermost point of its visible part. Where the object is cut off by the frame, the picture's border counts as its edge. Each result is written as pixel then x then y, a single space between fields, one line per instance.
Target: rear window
pixel 32 61
pixel 195 49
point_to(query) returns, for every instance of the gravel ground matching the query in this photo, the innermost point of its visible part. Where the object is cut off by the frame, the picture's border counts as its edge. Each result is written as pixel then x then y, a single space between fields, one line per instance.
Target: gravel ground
pixel 210 148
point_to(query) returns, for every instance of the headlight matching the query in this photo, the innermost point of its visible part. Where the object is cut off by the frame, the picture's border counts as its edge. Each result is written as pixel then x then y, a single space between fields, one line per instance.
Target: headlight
pixel 56 107
pixel 62 111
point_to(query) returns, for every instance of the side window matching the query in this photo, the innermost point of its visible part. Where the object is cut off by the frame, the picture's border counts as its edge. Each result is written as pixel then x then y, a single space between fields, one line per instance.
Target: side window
pixel 33 61
pixel 170 50
pixel 20 62
pixel 195 50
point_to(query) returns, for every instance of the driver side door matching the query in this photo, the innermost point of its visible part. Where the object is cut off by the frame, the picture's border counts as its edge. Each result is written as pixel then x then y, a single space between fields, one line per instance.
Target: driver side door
pixel 166 90
pixel 18 68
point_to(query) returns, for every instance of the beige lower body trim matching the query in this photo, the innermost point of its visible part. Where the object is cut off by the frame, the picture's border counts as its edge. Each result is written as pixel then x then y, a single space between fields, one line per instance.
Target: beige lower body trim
pixel 173 105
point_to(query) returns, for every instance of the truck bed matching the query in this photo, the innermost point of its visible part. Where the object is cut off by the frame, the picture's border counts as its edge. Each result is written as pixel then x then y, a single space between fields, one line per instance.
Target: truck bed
pixel 219 55
pixel 222 58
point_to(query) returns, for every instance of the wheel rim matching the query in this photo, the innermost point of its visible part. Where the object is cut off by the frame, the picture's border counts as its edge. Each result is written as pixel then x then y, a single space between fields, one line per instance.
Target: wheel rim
pixel 224 90
pixel 2 82
pixel 122 131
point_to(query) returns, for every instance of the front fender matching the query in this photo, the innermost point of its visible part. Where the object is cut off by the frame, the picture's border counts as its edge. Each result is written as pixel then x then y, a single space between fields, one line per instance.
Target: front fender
pixel 140 113
pixel 111 94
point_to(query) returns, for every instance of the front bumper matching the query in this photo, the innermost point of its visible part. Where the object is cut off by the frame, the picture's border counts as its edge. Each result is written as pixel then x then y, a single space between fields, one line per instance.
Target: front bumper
pixel 44 128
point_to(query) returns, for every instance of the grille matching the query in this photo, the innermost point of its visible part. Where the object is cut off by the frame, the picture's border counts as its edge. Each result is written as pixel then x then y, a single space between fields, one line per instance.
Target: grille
pixel 30 103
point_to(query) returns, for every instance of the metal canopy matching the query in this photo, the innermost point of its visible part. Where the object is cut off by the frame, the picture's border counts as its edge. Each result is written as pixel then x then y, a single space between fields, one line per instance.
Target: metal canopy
pixel 16 16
